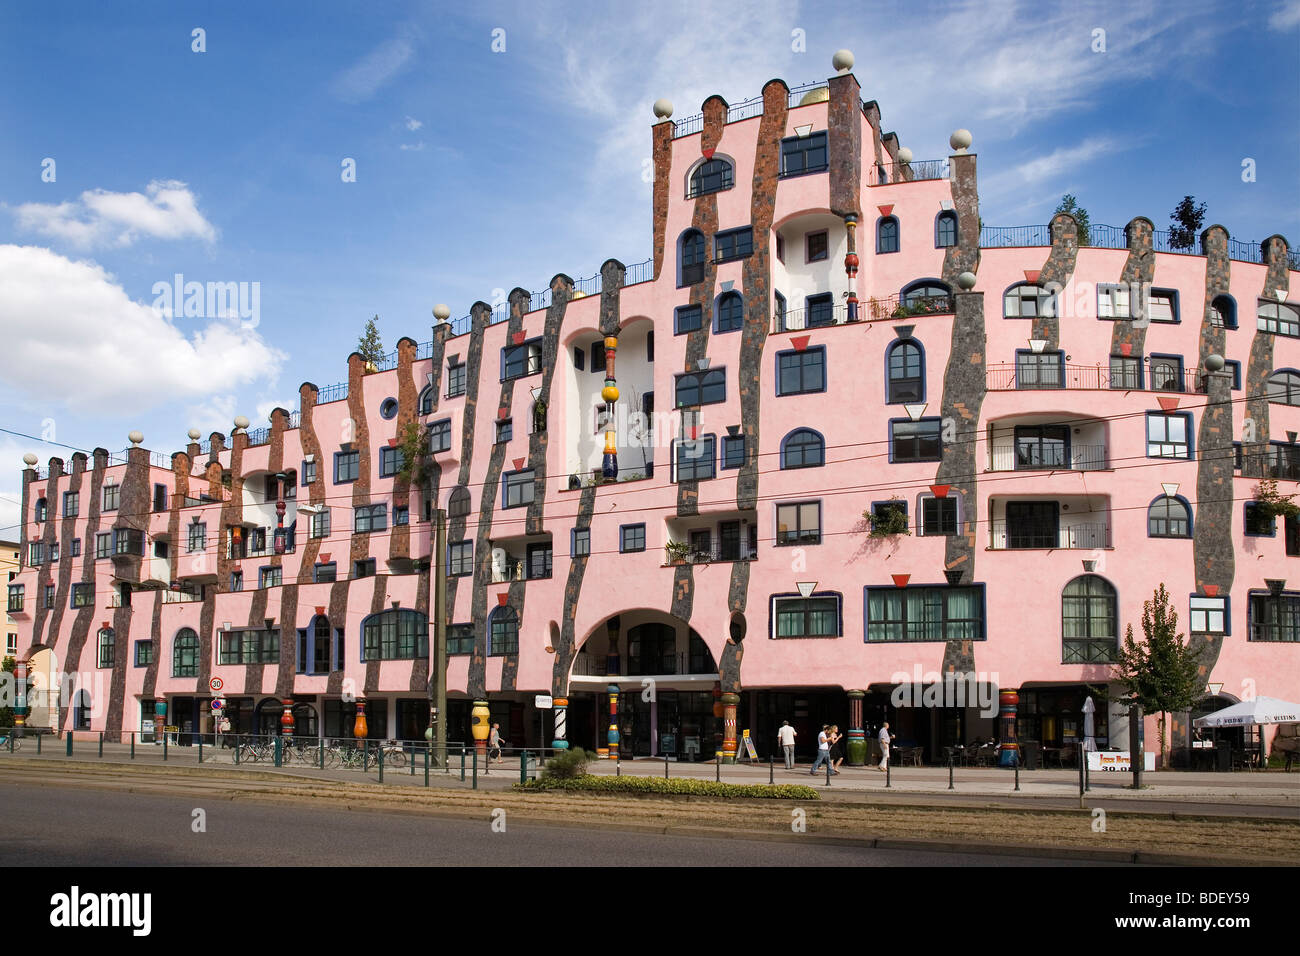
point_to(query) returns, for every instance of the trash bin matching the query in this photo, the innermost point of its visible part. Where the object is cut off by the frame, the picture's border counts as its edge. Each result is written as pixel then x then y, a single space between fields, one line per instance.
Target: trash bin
pixel 1223 756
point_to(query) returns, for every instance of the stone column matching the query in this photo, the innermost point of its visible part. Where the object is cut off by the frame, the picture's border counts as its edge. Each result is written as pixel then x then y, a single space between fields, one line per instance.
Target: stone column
pixel 611 736
pixel 729 702
pixel 857 747
pixel 1008 702
pixel 561 707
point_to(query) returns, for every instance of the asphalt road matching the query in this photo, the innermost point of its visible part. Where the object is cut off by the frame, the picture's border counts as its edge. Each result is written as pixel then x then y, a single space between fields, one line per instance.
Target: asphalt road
pixel 65 826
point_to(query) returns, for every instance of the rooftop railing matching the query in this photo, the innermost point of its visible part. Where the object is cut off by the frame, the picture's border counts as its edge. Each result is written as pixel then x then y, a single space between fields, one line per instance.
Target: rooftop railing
pixel 1102 236
pixel 1006 237
pixel 916 171
pixel 689 125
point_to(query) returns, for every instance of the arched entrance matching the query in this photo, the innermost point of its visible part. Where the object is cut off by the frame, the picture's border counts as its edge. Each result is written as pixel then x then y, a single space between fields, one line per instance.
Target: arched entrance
pixel 666 678
pixel 42 689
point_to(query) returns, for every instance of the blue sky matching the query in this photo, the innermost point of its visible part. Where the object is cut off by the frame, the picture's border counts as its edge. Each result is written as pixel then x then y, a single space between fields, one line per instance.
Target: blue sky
pixel 479 169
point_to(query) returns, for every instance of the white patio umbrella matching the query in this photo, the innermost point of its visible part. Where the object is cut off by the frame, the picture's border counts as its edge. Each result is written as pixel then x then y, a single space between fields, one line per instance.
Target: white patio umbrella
pixel 1089 730
pixel 1261 710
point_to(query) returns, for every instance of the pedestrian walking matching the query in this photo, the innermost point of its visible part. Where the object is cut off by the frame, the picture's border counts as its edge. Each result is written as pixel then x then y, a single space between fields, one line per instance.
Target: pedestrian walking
pixel 786 737
pixel 494 744
pixel 884 739
pixel 837 748
pixel 823 749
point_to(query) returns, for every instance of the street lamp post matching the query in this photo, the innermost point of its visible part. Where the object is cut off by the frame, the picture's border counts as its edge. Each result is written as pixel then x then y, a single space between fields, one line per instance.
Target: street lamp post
pixel 437 733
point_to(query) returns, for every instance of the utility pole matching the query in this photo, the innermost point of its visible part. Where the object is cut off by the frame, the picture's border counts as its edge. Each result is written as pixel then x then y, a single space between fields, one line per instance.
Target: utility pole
pixel 440 637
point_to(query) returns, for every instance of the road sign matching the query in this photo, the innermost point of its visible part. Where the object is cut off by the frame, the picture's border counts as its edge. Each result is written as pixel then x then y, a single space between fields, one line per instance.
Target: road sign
pixel 218 704
pixel 216 684
pixel 543 702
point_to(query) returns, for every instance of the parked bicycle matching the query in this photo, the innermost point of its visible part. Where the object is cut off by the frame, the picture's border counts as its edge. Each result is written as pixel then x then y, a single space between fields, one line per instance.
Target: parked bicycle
pixel 9 742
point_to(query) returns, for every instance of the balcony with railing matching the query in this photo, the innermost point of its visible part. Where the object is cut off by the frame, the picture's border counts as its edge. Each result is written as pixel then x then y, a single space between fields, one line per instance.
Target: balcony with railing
pixel 869 310
pixel 1010 376
pixel 1036 456
pixel 522 559
pixel 918 170
pixel 1070 522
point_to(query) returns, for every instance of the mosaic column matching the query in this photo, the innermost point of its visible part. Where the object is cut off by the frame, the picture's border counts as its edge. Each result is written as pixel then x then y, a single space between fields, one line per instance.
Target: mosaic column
pixel 729 743
pixel 360 730
pixel 609 464
pixel 20 700
pixel 561 708
pixel 1008 702
pixel 159 719
pixel 612 735
pixel 851 267
pixel 286 718
pixel 856 750
pixel 480 726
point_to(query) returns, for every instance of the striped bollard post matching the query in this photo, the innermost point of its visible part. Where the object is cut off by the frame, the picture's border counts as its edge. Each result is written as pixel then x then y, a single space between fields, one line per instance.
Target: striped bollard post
pixel 561 708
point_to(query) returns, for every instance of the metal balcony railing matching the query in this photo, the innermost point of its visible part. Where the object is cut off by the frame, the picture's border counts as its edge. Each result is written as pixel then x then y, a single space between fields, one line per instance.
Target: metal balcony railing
pixel 1006 237
pixel 715 555
pixel 1030 535
pixel 1007 457
pixel 1008 376
pixel 517 570
pixel 918 170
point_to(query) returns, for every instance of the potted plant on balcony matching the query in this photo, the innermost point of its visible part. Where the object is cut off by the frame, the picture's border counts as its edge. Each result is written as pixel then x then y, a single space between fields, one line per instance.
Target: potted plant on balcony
pixel 1271 503
pixel 891 520
pixel 677 552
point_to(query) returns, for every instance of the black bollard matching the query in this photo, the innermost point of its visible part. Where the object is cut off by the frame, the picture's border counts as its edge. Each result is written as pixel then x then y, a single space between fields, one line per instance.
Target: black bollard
pixel 771 769
pixel 665 766
pixel 889 766
pixel 1017 765
pixel 950 786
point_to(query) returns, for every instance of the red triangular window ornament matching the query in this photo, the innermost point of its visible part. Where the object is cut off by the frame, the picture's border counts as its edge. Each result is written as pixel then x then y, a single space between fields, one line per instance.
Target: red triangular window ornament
pixel 708 153
pixel 519 463
pixel 886 210
pixel 1168 402
pixel 1031 275
pixel 502 598
pixel 940 491
pixel 800 342
pixel 1211 590
pixel 518 337
pixel 900 580
pixel 324 557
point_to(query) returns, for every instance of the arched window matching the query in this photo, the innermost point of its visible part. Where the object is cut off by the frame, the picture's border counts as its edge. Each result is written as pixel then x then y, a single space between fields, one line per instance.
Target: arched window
pixel 1089 621
pixel 1169 518
pixel 185 653
pixel 395 635
pixel 701 388
pixel 458 503
pixel 945 229
pixel 106 640
pixel 1024 300
pixel 426 400
pixel 731 313
pixel 503 627
pixel 1223 312
pixel 692 258
pixel 927 297
pixel 712 176
pixel 887 234
pixel 1283 387
pixel 906 371
pixel 42 510
pixel 803 448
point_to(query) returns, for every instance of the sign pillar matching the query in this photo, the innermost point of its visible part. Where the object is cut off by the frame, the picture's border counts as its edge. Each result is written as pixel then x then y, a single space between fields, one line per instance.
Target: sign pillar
pixel 856 751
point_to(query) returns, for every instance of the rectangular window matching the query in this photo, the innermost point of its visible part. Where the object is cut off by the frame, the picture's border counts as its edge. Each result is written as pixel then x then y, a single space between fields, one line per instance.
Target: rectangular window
pixel 688 318
pixel 160 549
pixel 269 577
pixel 701 388
pixel 325 573
pixel 49 596
pixel 818 246
pixel 1025 301
pixel 1042 446
pixel 369 518
pixel 734 244
pixel 236 580
pixel 76 547
pixel 16 597
pixel 694 459
pixel 272 489
pixel 128 541
pixel 83 595
pixel 112 497
pixel 816 616
pixel 579 358
pixel 1259 524
pixel 804 154
pixel 455 380
pixel 780 311
pixel 71 504
pixel 799 523
pixel 249 647
pixel 518 361
pixel 1275 618
pixel 780 248
pixel 401 515
pixel 1040 369
pixel 519 486
pixel 938 516
pixel 911 441
pixel 1167 373
pixel 820 310
pixel 440 436
pixel 1169 436
pixel 35 554
pixel 159 497
pixel 540 557
pixel 347 466
pixel 733 451
pixel 1233 368
pixel 631 537
pixel 460 558
pixel 1113 301
pixel 1280 318
pixel 54 551
pixel 103 544
pixel 650 346
pixel 1125 371
pixel 1291 531
pixel 320 524
pixel 198 537
pixel 581 542
pixel 309 472
pixel 1209 615
pixel 505 430
pixel 598 356
pixel 925 614
pixel 391 461
pixel 107 647
pixel 460 639
pixel 143 653
pixel 1162 305
pixel 363 569
pixel 798 373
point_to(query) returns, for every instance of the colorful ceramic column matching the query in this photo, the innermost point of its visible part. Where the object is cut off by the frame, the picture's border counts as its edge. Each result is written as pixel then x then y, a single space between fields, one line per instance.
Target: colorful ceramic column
pixel 729 702
pixel 159 719
pixel 20 700
pixel 286 718
pixel 480 726
pixel 1008 702
pixel 609 464
pixel 851 268
pixel 856 751
pixel 360 730
pixel 561 707
pixel 612 735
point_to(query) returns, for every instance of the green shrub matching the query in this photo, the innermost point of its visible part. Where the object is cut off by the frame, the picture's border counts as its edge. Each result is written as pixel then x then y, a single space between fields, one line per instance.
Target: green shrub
pixel 702 788
pixel 566 765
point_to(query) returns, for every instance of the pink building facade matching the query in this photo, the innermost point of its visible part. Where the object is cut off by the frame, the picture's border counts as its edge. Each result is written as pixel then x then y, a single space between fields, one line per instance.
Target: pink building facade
pixel 861 445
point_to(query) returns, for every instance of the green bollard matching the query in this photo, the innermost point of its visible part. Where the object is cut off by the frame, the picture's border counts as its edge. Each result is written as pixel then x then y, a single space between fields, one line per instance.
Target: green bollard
pixel 365 758
pixel 164 746
pixel 475 768
pixel 132 746
pixel 426 767
pixel 279 752
pixel 322 753
pixel 38 742
pixel 101 744
pixel 11 743
pixel 379 756
pixel 462 764
pixel 523 767
pixel 200 748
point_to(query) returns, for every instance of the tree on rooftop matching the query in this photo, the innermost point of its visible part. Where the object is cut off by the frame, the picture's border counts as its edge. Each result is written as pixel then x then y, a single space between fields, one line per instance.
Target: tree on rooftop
pixel 369 346
pixel 1070 205
pixel 1188 218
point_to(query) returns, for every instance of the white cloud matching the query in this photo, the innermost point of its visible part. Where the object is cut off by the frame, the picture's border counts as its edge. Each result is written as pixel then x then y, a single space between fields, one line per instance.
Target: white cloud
pixel 1054 167
pixel 413 124
pixel 101 218
pixel 75 339
pixel 365 77
pixel 412 147
pixel 1285 17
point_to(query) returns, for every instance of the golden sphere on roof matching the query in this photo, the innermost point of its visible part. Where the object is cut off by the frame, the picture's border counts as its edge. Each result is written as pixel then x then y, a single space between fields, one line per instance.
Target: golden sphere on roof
pixel 820 95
